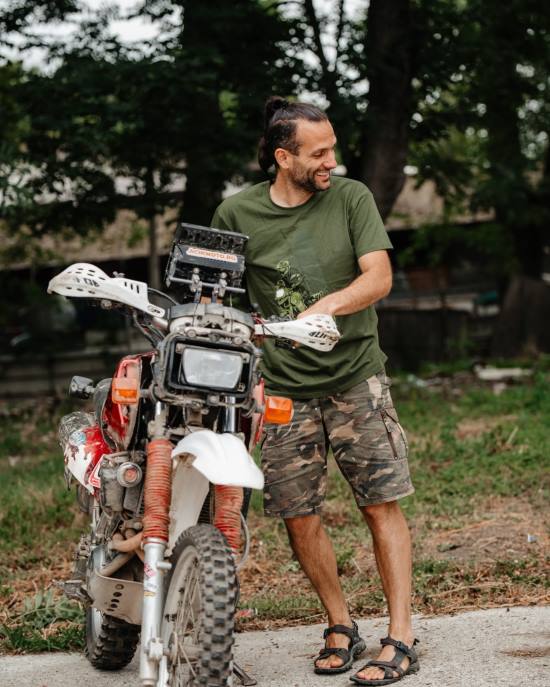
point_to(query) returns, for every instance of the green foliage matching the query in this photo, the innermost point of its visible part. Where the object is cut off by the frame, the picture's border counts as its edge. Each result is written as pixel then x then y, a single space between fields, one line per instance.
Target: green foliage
pixel 481 130
pixel 452 474
pixel 37 522
pixel 44 609
pixel 36 509
pixel 185 109
pixel 46 623
pixel 450 245
pixel 455 474
pixel 189 103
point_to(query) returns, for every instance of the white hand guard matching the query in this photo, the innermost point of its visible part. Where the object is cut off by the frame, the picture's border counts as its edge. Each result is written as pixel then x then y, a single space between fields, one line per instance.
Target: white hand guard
pixel 316 331
pixel 83 280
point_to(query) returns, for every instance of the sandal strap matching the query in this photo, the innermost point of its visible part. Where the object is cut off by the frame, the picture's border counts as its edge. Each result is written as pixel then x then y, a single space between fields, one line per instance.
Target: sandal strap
pixel 350 632
pixel 407 651
pixel 388 672
pixel 327 651
pixel 388 666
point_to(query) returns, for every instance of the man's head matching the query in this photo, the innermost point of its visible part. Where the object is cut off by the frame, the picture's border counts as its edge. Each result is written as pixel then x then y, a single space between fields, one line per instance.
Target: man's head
pixel 299 140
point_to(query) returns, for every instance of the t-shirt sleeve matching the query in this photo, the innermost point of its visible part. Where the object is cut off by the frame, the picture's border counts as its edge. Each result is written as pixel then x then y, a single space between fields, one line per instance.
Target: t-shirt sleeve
pixel 220 219
pixel 367 230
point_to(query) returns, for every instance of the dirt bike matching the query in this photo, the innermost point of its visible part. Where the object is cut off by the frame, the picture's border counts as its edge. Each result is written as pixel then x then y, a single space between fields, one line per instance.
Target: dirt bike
pixel 161 466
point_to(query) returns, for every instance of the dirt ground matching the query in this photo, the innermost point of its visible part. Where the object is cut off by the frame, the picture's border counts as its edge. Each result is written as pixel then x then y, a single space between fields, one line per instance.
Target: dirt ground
pixel 475 565
pixel 504 530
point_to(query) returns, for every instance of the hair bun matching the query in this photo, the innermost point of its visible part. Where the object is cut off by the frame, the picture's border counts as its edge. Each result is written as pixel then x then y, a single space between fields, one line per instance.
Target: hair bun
pixel 274 103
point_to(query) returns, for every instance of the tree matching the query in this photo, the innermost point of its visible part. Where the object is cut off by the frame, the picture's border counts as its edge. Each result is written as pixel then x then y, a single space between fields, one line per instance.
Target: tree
pixel 372 125
pixel 109 113
pixel 495 108
pixel 13 128
pixel 231 58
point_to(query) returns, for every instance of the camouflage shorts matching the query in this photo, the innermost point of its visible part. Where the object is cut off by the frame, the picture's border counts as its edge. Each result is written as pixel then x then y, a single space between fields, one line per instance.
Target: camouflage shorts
pixel 369 445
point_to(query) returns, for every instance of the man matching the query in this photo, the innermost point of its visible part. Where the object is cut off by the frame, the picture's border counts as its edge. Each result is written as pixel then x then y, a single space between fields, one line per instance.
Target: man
pixel 317 245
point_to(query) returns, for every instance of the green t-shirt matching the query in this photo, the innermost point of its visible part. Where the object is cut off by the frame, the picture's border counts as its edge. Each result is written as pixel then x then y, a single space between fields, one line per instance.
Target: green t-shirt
pixel 294 257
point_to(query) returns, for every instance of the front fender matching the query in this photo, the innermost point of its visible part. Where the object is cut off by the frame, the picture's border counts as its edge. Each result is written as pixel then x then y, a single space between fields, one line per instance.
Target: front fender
pixel 221 458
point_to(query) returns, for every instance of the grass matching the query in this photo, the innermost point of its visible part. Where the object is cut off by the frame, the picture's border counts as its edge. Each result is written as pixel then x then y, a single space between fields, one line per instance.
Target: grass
pixel 45 623
pixel 480 467
pixel 476 446
pixel 38 528
pixel 479 461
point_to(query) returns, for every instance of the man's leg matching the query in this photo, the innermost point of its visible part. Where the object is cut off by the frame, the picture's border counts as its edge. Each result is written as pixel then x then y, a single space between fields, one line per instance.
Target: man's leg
pixel 392 548
pixel 315 554
pixel 371 450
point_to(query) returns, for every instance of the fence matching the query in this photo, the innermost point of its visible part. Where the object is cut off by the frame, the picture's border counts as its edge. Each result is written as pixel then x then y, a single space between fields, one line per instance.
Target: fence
pixel 408 337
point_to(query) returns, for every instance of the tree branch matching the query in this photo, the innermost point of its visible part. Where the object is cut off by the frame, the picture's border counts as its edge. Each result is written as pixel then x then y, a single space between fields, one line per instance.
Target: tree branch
pixel 339 31
pixel 314 23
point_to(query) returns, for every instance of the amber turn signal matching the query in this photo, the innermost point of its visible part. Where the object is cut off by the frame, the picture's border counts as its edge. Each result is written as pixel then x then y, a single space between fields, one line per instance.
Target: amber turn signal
pixel 125 391
pixel 278 410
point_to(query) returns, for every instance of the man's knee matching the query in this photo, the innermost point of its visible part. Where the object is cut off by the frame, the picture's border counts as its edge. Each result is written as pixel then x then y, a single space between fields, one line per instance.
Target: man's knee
pixel 303 527
pixel 379 513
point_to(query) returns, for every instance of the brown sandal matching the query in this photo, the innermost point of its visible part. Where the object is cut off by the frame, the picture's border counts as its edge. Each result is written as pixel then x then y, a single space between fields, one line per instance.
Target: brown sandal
pixel 356 647
pixel 389 667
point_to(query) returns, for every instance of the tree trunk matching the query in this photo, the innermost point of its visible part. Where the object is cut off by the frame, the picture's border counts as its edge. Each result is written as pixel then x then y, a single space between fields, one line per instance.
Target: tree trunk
pixel 337 111
pixel 502 90
pixel 153 267
pixel 522 327
pixel 153 272
pixel 389 70
pixel 203 191
pixel 205 167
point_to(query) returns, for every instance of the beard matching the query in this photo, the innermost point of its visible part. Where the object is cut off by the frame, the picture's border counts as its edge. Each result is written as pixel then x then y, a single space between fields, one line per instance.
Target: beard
pixel 305 180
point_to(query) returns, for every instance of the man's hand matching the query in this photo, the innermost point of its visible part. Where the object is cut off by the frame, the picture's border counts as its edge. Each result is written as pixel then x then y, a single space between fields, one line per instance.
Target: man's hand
pixel 373 284
pixel 324 306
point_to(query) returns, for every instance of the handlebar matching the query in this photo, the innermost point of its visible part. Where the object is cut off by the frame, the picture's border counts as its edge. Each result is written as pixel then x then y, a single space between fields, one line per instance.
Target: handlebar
pixel 83 280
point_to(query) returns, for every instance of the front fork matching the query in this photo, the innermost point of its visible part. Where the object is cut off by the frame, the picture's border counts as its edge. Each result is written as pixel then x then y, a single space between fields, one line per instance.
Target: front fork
pixel 154 568
pixel 152 649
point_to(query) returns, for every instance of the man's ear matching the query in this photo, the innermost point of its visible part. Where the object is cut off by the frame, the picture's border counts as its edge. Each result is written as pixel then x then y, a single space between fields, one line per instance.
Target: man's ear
pixel 282 158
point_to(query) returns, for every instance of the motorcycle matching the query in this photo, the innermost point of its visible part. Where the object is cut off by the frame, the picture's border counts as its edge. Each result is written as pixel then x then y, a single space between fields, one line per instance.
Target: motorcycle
pixel 161 465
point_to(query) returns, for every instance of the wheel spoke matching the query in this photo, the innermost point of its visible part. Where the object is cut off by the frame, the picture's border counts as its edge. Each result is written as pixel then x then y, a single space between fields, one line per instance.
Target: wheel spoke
pixel 186 626
pixel 186 609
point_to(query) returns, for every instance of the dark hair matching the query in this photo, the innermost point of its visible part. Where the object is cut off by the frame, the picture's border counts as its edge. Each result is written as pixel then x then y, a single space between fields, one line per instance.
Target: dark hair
pixel 280 118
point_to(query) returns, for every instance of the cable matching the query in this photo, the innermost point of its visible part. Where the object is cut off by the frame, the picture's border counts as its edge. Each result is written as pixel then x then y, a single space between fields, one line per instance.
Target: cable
pixel 246 543
pixel 163 295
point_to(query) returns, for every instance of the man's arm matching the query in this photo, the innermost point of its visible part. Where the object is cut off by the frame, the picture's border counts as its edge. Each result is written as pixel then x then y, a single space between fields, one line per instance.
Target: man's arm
pixel 374 282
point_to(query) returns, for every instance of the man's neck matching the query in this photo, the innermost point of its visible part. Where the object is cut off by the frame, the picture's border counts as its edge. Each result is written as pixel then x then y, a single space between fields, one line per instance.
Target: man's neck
pixel 286 194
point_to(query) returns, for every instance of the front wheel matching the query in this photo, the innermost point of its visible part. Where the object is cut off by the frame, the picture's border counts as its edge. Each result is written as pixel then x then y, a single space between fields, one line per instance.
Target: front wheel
pixel 199 611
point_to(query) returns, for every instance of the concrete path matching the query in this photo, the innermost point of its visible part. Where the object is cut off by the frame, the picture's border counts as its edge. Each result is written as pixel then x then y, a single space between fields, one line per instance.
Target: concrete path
pixel 494 648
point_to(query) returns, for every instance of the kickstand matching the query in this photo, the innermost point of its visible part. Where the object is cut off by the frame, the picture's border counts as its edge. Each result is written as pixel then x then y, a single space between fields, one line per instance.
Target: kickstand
pixel 243 676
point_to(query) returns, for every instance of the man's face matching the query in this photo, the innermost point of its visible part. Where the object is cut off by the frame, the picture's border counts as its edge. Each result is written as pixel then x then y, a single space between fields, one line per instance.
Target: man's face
pixel 309 169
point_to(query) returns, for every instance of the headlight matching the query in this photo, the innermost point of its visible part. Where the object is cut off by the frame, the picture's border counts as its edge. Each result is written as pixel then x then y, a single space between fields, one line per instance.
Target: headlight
pixel 211 368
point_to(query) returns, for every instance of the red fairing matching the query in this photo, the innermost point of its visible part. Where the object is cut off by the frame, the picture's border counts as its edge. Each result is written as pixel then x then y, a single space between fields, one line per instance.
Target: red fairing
pixel 95 447
pixel 121 419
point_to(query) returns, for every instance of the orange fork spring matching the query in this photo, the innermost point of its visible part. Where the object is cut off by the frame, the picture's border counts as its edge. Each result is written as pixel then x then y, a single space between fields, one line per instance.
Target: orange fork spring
pixel 227 514
pixel 158 487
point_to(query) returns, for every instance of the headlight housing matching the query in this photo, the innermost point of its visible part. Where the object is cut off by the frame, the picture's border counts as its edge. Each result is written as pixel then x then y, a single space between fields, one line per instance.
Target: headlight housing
pixel 205 368
pixel 211 368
